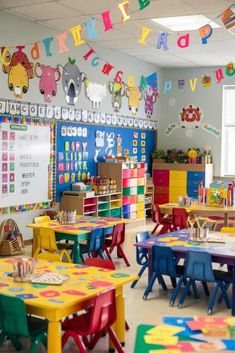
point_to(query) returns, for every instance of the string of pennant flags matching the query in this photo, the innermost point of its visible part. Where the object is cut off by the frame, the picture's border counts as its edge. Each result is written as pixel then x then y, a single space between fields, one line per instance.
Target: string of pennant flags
pixel 183 41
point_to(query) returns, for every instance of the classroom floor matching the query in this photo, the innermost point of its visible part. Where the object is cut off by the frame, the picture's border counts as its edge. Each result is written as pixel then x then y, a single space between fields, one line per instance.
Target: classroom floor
pixel 137 310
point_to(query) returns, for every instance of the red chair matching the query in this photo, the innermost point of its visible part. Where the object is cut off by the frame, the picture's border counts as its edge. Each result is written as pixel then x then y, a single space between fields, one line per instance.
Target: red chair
pixel 103 263
pixel 179 218
pixel 157 218
pixel 93 323
pixel 118 238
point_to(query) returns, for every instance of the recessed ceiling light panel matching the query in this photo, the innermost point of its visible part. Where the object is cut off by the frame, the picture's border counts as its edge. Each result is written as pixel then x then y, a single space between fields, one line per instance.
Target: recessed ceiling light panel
pixel 184 23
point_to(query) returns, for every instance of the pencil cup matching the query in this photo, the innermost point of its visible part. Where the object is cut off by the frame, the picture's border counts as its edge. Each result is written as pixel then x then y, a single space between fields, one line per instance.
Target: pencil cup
pixel 23 270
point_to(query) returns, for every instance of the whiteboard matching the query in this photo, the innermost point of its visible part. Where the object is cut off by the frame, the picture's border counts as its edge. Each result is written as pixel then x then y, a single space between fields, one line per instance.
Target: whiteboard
pixel 24 164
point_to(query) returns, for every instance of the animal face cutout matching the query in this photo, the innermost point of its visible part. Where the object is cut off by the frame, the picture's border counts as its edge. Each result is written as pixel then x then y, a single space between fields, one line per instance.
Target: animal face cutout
pixel 150 97
pixel 49 76
pixel 190 117
pixel 72 79
pixel 95 92
pixel 19 73
pixel 134 95
pixel 117 90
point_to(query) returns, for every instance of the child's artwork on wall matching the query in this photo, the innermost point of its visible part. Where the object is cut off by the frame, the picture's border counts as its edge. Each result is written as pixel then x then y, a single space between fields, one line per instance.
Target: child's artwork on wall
pixel 72 79
pixel 117 90
pixel 19 71
pixel 190 119
pixel 49 76
pixel 150 94
pixel 95 93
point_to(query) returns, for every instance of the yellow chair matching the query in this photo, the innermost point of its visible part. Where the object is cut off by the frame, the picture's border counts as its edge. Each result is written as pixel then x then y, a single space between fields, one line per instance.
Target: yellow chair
pixel 230 230
pixel 47 247
pixel 39 219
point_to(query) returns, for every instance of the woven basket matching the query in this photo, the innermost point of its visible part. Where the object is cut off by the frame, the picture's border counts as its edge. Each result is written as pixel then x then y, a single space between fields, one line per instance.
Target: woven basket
pixel 10 246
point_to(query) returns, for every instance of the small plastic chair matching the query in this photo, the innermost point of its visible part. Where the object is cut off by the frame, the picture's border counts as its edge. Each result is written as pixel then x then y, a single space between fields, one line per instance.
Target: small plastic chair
pixel 179 218
pixel 118 238
pixel 163 224
pixel 141 255
pixel 199 268
pixel 230 230
pixel 103 263
pixel 95 244
pixel 93 323
pixel 47 247
pixel 36 232
pixel 15 323
pixel 163 263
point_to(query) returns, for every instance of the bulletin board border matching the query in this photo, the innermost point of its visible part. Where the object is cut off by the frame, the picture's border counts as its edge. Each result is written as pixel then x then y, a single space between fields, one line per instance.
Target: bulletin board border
pixel 52 172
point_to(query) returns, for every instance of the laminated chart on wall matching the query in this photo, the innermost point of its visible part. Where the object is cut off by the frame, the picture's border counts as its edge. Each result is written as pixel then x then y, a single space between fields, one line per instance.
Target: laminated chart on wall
pixel 80 146
pixel 24 163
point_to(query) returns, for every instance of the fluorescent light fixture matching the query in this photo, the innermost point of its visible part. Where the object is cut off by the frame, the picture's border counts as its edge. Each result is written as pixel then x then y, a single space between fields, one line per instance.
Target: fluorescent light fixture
pixel 184 23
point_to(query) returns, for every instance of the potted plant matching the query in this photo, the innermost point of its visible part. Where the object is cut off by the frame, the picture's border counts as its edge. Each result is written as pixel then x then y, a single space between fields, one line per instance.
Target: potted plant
pixel 159 156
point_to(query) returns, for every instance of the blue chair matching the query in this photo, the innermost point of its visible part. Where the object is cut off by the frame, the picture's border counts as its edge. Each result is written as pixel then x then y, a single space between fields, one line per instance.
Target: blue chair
pixel 95 244
pixel 141 255
pixel 163 263
pixel 199 268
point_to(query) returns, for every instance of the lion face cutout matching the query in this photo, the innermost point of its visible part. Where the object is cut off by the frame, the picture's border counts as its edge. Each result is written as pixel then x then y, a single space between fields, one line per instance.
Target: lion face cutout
pixel 19 73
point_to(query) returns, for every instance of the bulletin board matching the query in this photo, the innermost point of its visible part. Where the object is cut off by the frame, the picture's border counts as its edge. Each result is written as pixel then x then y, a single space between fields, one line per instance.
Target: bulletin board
pixel 80 146
pixel 25 164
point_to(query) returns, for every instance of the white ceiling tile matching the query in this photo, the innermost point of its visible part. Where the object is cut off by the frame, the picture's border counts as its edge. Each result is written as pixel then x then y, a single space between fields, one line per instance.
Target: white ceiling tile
pixel 18 3
pixel 209 5
pixel 47 11
pixel 64 23
pixel 91 7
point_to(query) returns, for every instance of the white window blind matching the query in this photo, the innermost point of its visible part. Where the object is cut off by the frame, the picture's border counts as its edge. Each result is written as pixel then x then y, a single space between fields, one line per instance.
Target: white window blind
pixel 228 131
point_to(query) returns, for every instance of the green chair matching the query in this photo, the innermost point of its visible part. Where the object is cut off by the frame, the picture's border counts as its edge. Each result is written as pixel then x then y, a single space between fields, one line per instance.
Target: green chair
pixel 15 323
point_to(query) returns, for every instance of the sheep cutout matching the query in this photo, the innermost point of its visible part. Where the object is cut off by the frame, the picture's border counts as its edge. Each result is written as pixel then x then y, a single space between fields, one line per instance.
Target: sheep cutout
pixel 95 93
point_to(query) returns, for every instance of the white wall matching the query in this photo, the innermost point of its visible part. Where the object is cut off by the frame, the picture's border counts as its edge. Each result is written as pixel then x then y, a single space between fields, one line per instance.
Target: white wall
pixel 209 100
pixel 15 30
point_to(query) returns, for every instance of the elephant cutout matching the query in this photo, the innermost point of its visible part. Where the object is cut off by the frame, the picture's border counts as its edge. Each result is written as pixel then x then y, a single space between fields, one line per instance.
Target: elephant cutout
pixel 72 79
pixel 117 90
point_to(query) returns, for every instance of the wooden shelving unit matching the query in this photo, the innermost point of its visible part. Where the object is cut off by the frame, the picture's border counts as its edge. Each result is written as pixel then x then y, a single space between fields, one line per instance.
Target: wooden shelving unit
pixel 109 205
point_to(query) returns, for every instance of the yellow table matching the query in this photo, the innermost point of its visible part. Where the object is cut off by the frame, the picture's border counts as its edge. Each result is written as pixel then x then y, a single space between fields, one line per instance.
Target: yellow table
pixel 56 302
pixel 79 231
pixel 197 209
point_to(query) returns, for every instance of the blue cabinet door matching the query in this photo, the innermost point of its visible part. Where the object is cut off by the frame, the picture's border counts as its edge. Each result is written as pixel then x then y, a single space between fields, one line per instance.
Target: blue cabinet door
pixel 193 181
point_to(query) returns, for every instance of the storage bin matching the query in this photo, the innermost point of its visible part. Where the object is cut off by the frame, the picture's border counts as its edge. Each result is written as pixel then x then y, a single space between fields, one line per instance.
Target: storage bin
pixel 103 206
pixel 126 173
pixel 140 214
pixel 125 200
pixel 10 246
pixel 126 209
pixel 140 189
pixel 133 173
pixel 126 183
pixel 140 198
pixel 133 215
pixel 116 212
pixel 133 199
pixel 140 181
pixel 133 182
pixel 133 190
pixel 126 215
pixel 140 206
pixel 126 191
pixel 140 172
pixel 133 207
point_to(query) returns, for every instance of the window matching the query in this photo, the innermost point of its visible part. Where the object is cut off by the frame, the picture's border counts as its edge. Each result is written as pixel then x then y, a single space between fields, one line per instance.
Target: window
pixel 228 131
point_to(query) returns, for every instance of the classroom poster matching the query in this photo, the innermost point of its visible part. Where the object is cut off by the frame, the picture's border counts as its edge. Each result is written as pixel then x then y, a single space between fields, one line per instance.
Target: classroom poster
pixel 24 163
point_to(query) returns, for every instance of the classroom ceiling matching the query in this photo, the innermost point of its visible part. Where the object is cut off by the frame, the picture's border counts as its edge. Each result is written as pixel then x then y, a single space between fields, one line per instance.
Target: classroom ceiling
pixel 63 14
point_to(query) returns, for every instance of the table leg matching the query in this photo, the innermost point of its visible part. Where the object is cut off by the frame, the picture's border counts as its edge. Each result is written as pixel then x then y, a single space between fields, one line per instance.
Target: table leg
pixel 54 338
pixel 76 253
pixel 233 292
pixel 226 219
pixel 119 325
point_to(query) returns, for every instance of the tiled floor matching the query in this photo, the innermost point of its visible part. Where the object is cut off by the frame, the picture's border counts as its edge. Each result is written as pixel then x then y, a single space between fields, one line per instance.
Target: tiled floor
pixel 137 310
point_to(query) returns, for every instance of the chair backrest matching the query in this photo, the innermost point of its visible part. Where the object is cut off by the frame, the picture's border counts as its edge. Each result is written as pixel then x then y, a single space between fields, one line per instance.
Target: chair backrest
pixel 118 236
pixel 47 240
pixel 13 316
pixel 96 240
pixel 156 215
pixel 199 266
pixel 230 230
pixel 103 312
pixel 98 262
pixel 163 260
pixel 141 253
pixel 179 218
pixel 41 219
